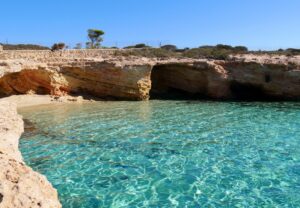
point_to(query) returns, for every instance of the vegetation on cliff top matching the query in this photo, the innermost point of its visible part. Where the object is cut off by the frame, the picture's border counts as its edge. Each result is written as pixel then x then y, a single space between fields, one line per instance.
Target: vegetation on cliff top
pixel 23 47
pixel 220 52
pixel 95 37
pixel 286 52
pixel 58 46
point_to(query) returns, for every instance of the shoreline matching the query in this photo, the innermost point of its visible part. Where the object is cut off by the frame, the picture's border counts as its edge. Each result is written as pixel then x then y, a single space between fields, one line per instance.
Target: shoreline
pixel 20 186
pixel 27 100
pixel 22 101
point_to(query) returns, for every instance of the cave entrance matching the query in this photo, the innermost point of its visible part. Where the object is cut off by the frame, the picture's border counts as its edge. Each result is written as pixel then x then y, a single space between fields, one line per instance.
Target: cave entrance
pixel 177 82
pixel 248 92
pixel 174 94
pixel 24 82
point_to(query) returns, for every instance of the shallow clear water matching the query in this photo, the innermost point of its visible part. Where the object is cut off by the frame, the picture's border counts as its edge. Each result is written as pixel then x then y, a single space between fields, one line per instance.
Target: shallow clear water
pixel 168 153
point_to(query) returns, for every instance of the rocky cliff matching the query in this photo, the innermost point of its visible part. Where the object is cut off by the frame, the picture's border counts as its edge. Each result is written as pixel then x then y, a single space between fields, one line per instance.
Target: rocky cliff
pixel 99 78
pixel 105 75
pixel 20 186
pixel 236 80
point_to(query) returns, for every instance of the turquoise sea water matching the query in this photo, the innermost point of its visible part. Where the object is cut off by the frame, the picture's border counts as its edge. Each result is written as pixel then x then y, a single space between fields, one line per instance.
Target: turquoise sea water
pixel 168 153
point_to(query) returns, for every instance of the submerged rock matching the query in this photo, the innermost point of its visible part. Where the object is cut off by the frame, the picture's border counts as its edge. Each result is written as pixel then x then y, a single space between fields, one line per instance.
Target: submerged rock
pixel 29 126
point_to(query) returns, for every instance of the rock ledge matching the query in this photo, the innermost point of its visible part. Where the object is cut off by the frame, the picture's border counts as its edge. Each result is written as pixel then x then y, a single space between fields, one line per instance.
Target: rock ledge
pixel 20 186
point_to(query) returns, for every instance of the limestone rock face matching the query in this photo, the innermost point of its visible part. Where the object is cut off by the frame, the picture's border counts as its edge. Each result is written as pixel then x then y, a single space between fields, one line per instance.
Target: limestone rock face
pixel 104 75
pixel 266 79
pixel 11 128
pixel 102 79
pixel 20 186
pixel 255 81
pixel 98 78
pixel 197 79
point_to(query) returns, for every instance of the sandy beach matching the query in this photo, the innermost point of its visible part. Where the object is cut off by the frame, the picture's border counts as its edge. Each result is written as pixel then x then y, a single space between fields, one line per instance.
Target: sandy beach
pixel 34 100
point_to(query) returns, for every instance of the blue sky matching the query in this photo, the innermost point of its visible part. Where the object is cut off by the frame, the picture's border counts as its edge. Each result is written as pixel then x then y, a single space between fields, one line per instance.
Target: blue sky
pixel 258 24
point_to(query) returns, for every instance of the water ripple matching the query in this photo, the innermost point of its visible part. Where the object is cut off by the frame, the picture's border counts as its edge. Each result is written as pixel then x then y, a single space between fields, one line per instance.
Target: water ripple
pixel 168 153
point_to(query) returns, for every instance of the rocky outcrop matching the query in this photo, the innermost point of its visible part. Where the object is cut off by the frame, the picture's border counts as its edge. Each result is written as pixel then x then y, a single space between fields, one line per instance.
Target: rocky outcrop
pixel 98 78
pixel 256 81
pixel 189 80
pixel 104 75
pixel 20 186
pixel 103 79
pixel 239 79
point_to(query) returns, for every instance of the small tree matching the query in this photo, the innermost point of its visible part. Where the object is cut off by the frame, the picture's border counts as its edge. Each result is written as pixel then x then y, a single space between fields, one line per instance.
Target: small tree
pixel 95 37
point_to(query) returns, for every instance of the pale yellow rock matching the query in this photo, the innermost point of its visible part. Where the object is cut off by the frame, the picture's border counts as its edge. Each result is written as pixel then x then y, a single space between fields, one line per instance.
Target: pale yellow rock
pixel 20 186
pixel 102 74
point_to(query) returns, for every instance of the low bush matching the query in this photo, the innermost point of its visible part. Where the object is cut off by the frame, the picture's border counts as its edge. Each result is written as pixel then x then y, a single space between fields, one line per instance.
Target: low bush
pixel 140 45
pixel 240 49
pixel 207 52
pixel 218 52
pixel 293 51
pixel 58 46
pixel 147 52
pixel 169 47
pixel 23 47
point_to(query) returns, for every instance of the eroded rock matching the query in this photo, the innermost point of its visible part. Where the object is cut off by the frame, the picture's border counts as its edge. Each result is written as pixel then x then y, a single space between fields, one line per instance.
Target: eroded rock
pixel 104 75
pixel 20 186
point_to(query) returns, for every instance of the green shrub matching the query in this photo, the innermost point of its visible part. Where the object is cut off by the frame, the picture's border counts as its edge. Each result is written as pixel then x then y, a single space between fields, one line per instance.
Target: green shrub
pixel 293 51
pixel 147 52
pixel 169 47
pixel 207 52
pixel 140 45
pixel 23 47
pixel 225 47
pixel 58 46
pixel 240 49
